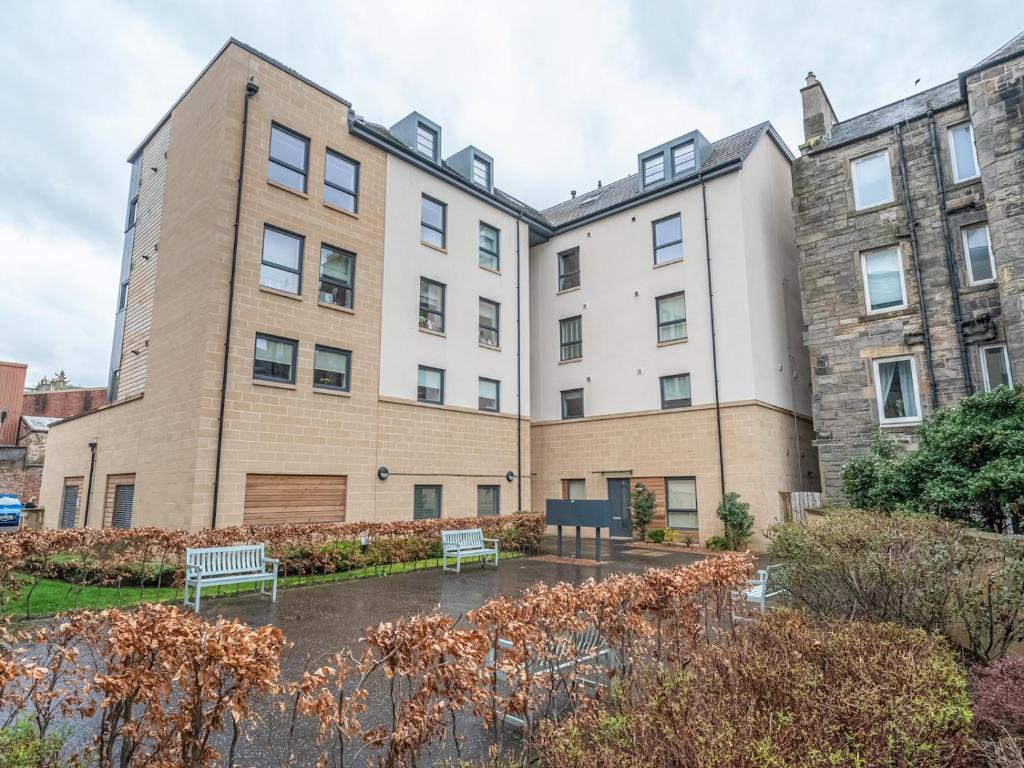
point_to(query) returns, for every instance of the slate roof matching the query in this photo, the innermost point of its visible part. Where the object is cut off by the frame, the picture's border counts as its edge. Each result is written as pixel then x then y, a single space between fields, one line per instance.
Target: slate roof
pixel 723 152
pixel 38 423
pixel 1015 46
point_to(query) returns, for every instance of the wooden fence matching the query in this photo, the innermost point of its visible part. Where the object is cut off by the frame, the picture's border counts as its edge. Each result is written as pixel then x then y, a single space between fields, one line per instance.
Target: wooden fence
pixel 796 503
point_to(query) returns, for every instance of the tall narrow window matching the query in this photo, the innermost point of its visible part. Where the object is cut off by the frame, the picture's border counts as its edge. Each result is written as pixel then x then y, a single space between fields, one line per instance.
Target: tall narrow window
pixel 69 506
pixel 489 240
pixel 962 152
pixel 274 359
pixel 671 317
pixel 487 497
pixel 133 209
pixel 981 267
pixel 668 239
pixel 569 269
pixel 426 502
pixel 572 404
pixel 481 172
pixel 883 280
pixel 122 296
pixel 430 385
pixel 341 182
pixel 570 333
pixel 654 169
pixel 431 305
pixel 426 141
pixel 896 389
pixel 289 154
pixel 124 502
pixel 489 395
pixel 683 159
pixel 282 260
pixel 337 276
pixel 489 318
pixel 575 488
pixel 675 391
pixel 681 502
pixel 331 368
pixel 872 180
pixel 995 367
pixel 433 214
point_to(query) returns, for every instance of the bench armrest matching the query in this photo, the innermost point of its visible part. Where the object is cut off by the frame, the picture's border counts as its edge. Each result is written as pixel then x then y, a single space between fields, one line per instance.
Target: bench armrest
pixel 495 541
pixel 192 567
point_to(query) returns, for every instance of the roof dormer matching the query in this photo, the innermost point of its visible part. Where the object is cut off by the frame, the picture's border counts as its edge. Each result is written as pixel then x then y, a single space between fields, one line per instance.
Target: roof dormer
pixel 676 159
pixel 420 134
pixel 474 165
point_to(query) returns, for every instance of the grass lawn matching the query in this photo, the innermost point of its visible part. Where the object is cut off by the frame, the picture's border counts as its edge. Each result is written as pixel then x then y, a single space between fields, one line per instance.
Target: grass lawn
pixel 52 596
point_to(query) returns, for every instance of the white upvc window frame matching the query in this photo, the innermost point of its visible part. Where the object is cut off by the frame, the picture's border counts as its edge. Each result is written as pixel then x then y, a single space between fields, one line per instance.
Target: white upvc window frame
pixel 882 420
pixel 853 180
pixel 952 153
pixel 984 367
pixel 864 278
pixel 967 253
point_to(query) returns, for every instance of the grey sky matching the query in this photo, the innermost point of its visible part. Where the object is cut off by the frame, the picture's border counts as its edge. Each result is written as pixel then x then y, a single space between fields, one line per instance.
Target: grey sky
pixel 562 94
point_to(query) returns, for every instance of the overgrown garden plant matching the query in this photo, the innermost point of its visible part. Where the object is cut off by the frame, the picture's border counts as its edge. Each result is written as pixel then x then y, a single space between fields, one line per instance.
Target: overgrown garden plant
pixel 737 520
pixel 643 502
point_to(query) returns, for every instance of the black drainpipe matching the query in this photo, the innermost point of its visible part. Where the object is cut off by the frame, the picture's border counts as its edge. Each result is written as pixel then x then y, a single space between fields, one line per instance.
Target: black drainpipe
pixel 251 89
pixel 88 490
pixel 954 282
pixel 519 378
pixel 912 226
pixel 714 343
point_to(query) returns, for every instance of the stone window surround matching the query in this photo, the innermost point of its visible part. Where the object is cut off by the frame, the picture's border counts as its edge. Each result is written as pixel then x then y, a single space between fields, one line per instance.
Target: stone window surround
pixel 865 314
pixel 958 224
pixel 905 421
pixel 851 186
pixel 951 154
pixel 862 266
pixel 983 368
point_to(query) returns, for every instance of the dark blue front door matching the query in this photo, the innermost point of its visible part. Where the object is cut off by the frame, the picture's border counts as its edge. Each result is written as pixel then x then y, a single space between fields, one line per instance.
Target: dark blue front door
pixel 618 497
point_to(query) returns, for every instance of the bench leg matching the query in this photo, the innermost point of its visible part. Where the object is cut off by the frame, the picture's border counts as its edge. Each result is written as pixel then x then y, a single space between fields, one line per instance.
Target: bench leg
pixel 197 593
pixel 273 590
pixel 458 563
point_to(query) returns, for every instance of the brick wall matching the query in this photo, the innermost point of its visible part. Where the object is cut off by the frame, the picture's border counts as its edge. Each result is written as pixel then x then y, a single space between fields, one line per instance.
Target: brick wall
pixel 62 403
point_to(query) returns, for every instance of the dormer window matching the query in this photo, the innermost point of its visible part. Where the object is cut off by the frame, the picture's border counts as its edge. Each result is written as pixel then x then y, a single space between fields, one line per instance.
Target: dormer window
pixel 426 141
pixel 481 172
pixel 654 169
pixel 683 158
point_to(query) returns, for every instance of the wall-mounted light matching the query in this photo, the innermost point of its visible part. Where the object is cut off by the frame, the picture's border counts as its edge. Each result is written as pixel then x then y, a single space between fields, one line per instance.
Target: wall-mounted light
pixel 383 473
pixel 510 475
pixel 639 486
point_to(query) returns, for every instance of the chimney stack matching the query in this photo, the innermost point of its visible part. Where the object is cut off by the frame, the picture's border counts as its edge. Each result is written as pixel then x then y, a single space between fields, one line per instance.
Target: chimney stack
pixel 819 117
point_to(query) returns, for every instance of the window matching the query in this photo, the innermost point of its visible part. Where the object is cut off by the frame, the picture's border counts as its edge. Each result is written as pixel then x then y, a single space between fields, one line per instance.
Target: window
pixel 487 500
pixel 872 181
pixel 430 385
pixel 683 158
pixel 569 269
pixel 69 506
pixel 896 387
pixel 432 221
pixel 489 319
pixel 995 367
pixel 883 280
pixel 681 502
pixel 489 394
pixel 331 368
pixel 570 331
pixel 575 489
pixel 962 152
pixel 337 276
pixel 431 305
pixel 426 141
pixel 668 239
pixel 981 267
pixel 133 209
pixel 489 237
pixel 671 317
pixel 282 260
pixel 426 502
pixel 124 500
pixel 654 169
pixel 572 403
pixel 274 359
pixel 675 391
pixel 341 181
pixel 288 156
pixel 122 296
pixel 481 172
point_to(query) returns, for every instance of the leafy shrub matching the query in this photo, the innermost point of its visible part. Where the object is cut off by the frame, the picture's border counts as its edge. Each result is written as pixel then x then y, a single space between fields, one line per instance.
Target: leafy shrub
pixel 657 535
pixel 915 571
pixel 784 691
pixel 688 539
pixel 643 510
pixel 739 523
pixel 22 747
pixel 997 695
pixel 671 536
pixel 717 543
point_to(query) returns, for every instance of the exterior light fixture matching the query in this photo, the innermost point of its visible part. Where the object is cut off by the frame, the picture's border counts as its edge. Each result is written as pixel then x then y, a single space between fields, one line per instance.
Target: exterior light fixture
pixel 510 475
pixel 383 473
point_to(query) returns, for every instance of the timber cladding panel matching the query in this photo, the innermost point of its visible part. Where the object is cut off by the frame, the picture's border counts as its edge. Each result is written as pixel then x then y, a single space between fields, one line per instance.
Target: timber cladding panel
pixel 655 485
pixel 277 499
pixel 113 481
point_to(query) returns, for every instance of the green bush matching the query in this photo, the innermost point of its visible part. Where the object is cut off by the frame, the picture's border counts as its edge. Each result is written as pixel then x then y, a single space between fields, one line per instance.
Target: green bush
pixel 717 543
pixel 739 523
pixel 657 535
pixel 21 747
pixel 643 503
pixel 784 692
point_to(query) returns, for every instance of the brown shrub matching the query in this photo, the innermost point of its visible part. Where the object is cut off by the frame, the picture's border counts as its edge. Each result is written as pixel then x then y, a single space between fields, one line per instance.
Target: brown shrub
pixel 997 696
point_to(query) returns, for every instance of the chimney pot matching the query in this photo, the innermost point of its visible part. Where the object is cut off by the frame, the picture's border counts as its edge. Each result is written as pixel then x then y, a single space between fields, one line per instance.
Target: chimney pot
pixel 573 193
pixel 811 79
pixel 598 183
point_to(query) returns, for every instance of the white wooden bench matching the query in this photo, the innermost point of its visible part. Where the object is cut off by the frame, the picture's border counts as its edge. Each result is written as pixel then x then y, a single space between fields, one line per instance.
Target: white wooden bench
pixel 469 542
pixel 760 590
pixel 238 564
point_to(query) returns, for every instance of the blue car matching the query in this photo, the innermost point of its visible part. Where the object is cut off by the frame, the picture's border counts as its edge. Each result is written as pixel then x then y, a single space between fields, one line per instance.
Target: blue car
pixel 10 512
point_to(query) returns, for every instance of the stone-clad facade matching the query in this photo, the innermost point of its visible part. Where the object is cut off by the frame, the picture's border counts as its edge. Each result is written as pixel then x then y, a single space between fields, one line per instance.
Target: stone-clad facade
pixel 951 324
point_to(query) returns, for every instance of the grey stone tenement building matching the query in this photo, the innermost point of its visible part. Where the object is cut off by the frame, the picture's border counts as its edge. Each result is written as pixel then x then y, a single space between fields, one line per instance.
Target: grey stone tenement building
pixel 910 227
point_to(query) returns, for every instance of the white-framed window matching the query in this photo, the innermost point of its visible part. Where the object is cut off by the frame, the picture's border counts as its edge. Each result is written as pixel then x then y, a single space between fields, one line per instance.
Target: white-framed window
pixel 872 180
pixel 884 289
pixel 897 392
pixel 981 267
pixel 962 154
pixel 995 367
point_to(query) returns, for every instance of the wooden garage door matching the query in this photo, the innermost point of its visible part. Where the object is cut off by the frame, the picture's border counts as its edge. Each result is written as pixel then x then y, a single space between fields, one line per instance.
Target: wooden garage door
pixel 277 499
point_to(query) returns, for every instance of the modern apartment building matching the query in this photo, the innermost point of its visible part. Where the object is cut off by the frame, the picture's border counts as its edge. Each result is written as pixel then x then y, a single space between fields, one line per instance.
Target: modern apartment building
pixel 910 226
pixel 322 318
